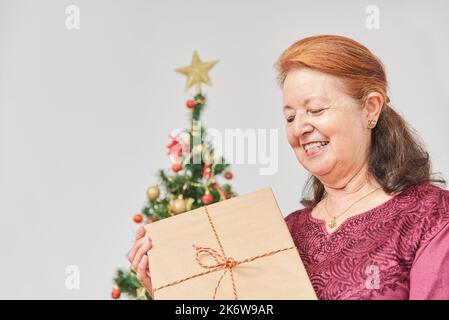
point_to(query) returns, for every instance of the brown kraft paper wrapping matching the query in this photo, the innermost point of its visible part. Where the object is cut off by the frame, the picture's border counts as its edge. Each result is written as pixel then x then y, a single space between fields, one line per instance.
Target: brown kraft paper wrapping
pixel 259 262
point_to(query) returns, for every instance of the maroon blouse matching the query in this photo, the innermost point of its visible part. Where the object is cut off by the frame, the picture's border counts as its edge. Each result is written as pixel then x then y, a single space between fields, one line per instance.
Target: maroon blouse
pixel 397 250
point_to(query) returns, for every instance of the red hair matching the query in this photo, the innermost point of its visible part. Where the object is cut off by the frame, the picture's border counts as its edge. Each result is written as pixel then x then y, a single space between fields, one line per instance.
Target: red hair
pixel 361 71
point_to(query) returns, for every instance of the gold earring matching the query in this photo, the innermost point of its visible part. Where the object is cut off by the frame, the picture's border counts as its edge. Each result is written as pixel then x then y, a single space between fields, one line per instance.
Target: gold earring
pixel 371 124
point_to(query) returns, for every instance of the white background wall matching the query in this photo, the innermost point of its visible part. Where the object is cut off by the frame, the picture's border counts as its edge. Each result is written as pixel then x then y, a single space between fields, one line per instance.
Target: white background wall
pixel 85 113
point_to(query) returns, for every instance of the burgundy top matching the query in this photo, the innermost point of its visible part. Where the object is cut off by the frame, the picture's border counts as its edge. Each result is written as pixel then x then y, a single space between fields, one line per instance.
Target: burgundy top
pixel 397 250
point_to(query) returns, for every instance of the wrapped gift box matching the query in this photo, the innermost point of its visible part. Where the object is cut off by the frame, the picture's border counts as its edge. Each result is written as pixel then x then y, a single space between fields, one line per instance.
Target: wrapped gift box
pixel 238 248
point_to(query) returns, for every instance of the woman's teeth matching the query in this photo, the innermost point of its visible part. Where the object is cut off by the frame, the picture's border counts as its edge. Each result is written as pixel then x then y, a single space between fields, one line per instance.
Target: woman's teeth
pixel 312 146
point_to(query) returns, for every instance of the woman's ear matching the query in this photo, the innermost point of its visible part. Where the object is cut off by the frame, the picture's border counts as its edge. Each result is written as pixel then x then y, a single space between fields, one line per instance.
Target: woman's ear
pixel 373 105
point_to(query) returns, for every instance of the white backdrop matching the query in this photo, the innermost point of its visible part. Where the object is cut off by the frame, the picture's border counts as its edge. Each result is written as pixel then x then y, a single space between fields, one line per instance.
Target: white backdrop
pixel 85 114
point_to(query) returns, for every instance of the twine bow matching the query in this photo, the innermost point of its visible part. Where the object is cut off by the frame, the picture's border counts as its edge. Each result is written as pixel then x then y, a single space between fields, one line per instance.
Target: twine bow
pixel 221 262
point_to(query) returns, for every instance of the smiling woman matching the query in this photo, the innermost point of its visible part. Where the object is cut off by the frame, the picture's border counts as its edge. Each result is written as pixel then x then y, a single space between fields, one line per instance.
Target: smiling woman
pixel 375 225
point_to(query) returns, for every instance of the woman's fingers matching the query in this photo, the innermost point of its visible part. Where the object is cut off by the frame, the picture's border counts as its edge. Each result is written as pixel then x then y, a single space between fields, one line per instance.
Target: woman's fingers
pixel 135 248
pixel 141 252
pixel 140 239
pixel 142 274
pixel 140 233
pixel 139 259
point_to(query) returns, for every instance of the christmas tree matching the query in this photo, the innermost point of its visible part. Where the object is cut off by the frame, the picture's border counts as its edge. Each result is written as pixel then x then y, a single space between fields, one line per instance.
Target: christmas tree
pixel 191 182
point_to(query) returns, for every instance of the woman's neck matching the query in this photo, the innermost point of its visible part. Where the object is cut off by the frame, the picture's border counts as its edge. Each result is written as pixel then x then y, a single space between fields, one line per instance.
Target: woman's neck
pixel 354 188
pixel 349 198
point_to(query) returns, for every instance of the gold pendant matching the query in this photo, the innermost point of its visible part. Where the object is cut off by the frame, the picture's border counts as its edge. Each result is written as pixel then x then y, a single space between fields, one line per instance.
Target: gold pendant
pixel 332 224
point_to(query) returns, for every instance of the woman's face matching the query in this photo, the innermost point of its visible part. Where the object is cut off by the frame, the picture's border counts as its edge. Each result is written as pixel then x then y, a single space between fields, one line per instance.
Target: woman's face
pixel 317 109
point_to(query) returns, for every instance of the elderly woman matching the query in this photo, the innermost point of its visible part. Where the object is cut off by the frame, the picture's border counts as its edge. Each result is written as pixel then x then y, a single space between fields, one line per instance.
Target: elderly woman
pixel 374 225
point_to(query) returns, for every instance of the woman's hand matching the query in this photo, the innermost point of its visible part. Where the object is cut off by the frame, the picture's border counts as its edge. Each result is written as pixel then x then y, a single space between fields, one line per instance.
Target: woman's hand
pixel 139 259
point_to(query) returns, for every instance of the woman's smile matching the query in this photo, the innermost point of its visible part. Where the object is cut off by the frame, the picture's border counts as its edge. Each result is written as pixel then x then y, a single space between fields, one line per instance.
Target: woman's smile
pixel 315 148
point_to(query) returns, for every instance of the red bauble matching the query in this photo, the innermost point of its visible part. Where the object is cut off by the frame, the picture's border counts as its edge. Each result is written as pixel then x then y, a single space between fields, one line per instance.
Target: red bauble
pixel 137 218
pixel 207 199
pixel 176 167
pixel 116 293
pixel 228 175
pixel 190 104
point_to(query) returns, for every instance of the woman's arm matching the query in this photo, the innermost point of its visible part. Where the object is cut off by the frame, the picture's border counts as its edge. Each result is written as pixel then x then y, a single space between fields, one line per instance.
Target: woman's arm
pixel 429 276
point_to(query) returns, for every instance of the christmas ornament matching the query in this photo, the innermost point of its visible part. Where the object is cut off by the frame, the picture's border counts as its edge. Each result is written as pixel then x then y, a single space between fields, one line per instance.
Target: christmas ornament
pixel 176 167
pixel 116 293
pixel 137 218
pixel 178 206
pixel 189 203
pixel 175 150
pixel 207 172
pixel 197 72
pixel 207 199
pixel 228 175
pixel 179 145
pixel 153 192
pixel 190 104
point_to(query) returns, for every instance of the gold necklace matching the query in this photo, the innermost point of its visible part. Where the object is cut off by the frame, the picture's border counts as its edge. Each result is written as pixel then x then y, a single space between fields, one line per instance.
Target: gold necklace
pixel 333 223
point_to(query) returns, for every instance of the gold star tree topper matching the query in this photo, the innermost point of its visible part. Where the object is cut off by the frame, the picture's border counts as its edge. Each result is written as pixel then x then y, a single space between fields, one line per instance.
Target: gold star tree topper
pixel 197 72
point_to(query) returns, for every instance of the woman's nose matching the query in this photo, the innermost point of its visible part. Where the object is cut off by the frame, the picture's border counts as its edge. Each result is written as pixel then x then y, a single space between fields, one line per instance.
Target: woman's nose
pixel 301 126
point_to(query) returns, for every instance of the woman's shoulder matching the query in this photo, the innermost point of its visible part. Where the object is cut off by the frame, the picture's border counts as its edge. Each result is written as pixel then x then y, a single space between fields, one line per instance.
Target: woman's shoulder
pixel 428 206
pixel 426 196
pixel 428 190
pixel 296 217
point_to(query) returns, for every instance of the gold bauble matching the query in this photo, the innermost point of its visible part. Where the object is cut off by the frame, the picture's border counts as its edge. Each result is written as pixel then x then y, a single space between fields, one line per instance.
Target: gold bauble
pixel 153 192
pixel 189 203
pixel 178 206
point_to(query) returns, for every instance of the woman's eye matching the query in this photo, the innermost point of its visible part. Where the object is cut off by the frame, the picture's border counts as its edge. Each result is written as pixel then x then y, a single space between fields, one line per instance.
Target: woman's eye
pixel 315 111
pixel 310 111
